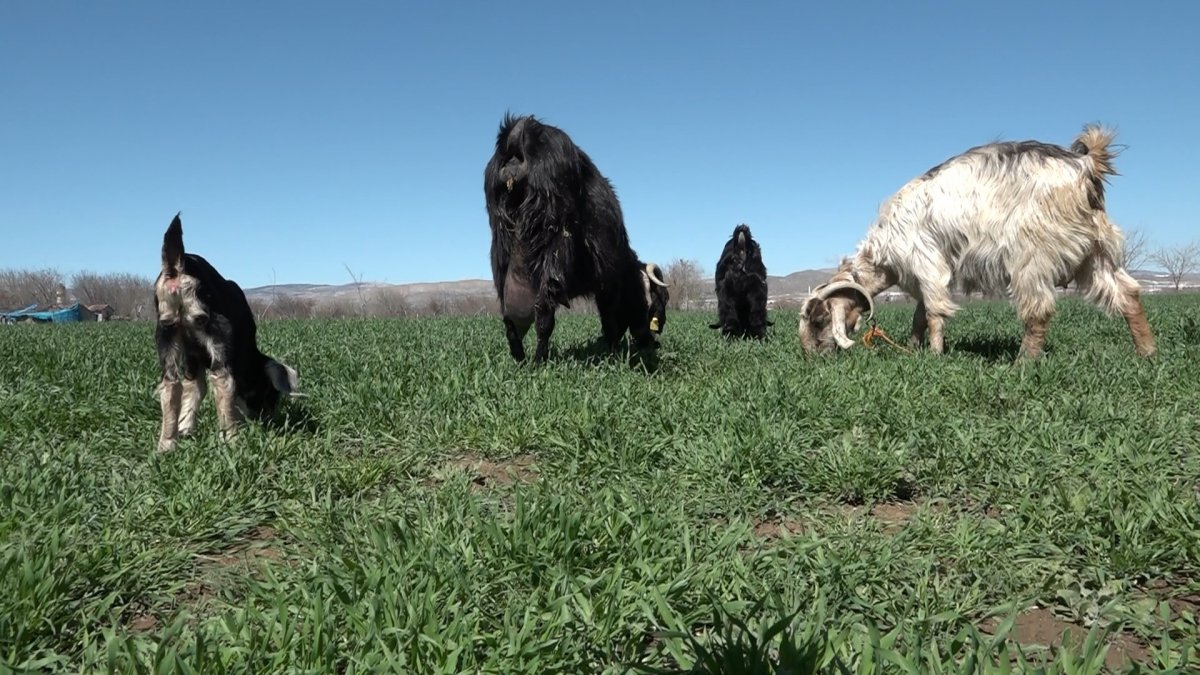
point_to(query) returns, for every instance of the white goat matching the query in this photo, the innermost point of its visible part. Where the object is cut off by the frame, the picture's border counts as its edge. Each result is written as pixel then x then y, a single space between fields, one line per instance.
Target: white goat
pixel 1026 216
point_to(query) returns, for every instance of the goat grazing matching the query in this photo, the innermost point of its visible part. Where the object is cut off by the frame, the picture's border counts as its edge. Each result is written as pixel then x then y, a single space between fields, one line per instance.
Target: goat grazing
pixel 1027 215
pixel 205 326
pixel 558 234
pixel 741 285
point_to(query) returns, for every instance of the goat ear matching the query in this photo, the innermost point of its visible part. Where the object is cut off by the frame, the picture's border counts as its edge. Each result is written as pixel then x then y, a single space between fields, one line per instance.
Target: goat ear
pixel 283 377
pixel 172 251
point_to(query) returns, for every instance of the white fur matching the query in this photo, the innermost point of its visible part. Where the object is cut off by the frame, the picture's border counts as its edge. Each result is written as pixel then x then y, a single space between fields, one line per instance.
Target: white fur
pixel 994 220
pixel 1024 230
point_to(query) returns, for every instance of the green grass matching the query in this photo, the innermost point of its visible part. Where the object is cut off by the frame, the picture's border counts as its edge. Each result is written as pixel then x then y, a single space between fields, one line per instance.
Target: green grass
pixel 736 508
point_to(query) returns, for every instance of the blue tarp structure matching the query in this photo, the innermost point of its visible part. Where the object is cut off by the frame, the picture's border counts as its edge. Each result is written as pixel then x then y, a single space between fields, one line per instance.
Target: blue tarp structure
pixel 70 314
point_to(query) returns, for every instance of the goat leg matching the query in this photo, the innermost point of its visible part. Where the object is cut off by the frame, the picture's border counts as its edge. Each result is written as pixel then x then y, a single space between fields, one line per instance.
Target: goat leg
pixel 224 393
pixel 516 339
pixel 920 326
pixel 169 394
pixel 1034 340
pixel 193 395
pixel 1139 327
pixel 544 327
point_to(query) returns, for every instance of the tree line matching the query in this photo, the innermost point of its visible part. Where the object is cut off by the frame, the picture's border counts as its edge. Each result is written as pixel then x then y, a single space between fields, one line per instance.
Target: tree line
pixel 131 295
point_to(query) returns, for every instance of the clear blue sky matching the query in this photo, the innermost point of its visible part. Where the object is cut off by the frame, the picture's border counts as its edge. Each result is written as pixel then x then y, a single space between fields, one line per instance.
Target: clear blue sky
pixel 301 137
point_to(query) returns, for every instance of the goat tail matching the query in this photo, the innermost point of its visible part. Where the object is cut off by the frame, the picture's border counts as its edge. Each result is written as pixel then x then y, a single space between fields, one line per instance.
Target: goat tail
pixel 1096 143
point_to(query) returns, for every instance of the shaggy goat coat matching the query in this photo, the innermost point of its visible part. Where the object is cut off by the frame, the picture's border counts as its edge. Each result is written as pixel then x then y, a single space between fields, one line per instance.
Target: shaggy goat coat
pixel 1022 216
pixel 206 330
pixel 741 287
pixel 558 234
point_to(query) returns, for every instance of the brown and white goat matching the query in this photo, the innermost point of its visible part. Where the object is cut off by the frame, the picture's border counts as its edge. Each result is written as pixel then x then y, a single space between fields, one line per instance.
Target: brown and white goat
pixel 1022 216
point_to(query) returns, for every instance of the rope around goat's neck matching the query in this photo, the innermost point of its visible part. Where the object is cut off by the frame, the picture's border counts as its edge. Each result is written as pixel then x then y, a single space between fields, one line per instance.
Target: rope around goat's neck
pixel 875 331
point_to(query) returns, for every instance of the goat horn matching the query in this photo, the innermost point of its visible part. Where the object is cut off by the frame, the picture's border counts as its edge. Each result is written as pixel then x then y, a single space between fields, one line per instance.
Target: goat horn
pixel 655 275
pixel 837 318
pixel 824 292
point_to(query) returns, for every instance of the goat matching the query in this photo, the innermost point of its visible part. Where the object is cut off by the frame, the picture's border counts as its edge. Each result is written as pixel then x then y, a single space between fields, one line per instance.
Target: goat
pixel 1025 216
pixel 558 234
pixel 205 327
pixel 741 285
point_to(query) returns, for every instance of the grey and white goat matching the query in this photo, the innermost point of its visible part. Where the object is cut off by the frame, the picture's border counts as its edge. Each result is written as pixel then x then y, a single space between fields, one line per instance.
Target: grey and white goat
pixel 1022 216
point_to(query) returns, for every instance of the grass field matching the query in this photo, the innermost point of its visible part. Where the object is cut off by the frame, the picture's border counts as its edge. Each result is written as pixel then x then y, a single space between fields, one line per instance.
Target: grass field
pixel 433 507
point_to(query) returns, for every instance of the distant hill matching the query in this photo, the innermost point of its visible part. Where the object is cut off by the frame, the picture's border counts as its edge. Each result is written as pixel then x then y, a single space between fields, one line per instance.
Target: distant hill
pixel 792 286
pixel 418 294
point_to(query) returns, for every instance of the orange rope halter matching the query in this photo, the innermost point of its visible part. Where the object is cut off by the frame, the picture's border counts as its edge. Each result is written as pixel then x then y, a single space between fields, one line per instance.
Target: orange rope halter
pixel 875 331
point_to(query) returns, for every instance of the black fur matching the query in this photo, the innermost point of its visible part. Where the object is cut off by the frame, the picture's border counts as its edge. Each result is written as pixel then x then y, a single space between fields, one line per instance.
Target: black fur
pixel 741 287
pixel 558 234
pixel 227 322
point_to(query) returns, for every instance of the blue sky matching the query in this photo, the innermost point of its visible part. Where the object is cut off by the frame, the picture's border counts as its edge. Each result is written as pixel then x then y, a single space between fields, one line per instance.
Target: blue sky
pixel 298 138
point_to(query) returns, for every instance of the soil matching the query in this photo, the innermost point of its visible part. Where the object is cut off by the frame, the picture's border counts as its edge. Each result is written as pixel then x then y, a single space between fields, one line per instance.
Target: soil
pixel 775 528
pixel 1164 590
pixel 259 543
pixel 144 623
pixel 894 516
pixel 1040 627
pixel 240 559
pixel 487 473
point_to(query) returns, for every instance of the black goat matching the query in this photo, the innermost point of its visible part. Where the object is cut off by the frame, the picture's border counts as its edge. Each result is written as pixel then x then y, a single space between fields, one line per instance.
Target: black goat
pixel 205 327
pixel 741 287
pixel 558 234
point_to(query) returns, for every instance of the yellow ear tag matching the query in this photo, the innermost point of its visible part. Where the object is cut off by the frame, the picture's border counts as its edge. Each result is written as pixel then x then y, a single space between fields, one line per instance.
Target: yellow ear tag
pixel 654 323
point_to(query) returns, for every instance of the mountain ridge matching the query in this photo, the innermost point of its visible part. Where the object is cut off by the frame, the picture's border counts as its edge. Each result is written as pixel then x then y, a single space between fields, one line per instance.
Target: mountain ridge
pixel 795 284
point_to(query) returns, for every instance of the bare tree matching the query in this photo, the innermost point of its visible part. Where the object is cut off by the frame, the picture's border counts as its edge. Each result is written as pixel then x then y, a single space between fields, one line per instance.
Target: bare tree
pixel 1178 262
pixel 128 294
pixel 286 307
pixel 686 279
pixel 474 305
pixel 358 286
pixel 23 287
pixel 335 308
pixel 389 302
pixel 1136 252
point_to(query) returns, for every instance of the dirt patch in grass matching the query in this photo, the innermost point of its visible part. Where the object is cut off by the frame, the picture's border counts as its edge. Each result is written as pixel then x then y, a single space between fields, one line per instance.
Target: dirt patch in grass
pixel 488 473
pixel 214 572
pixel 260 543
pixel 1040 627
pixel 143 623
pixel 1180 602
pixel 894 516
pixel 231 566
pixel 775 527
pixel 1189 603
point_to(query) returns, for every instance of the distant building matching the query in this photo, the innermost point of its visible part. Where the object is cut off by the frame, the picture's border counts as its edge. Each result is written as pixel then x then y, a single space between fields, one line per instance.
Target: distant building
pixel 102 312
